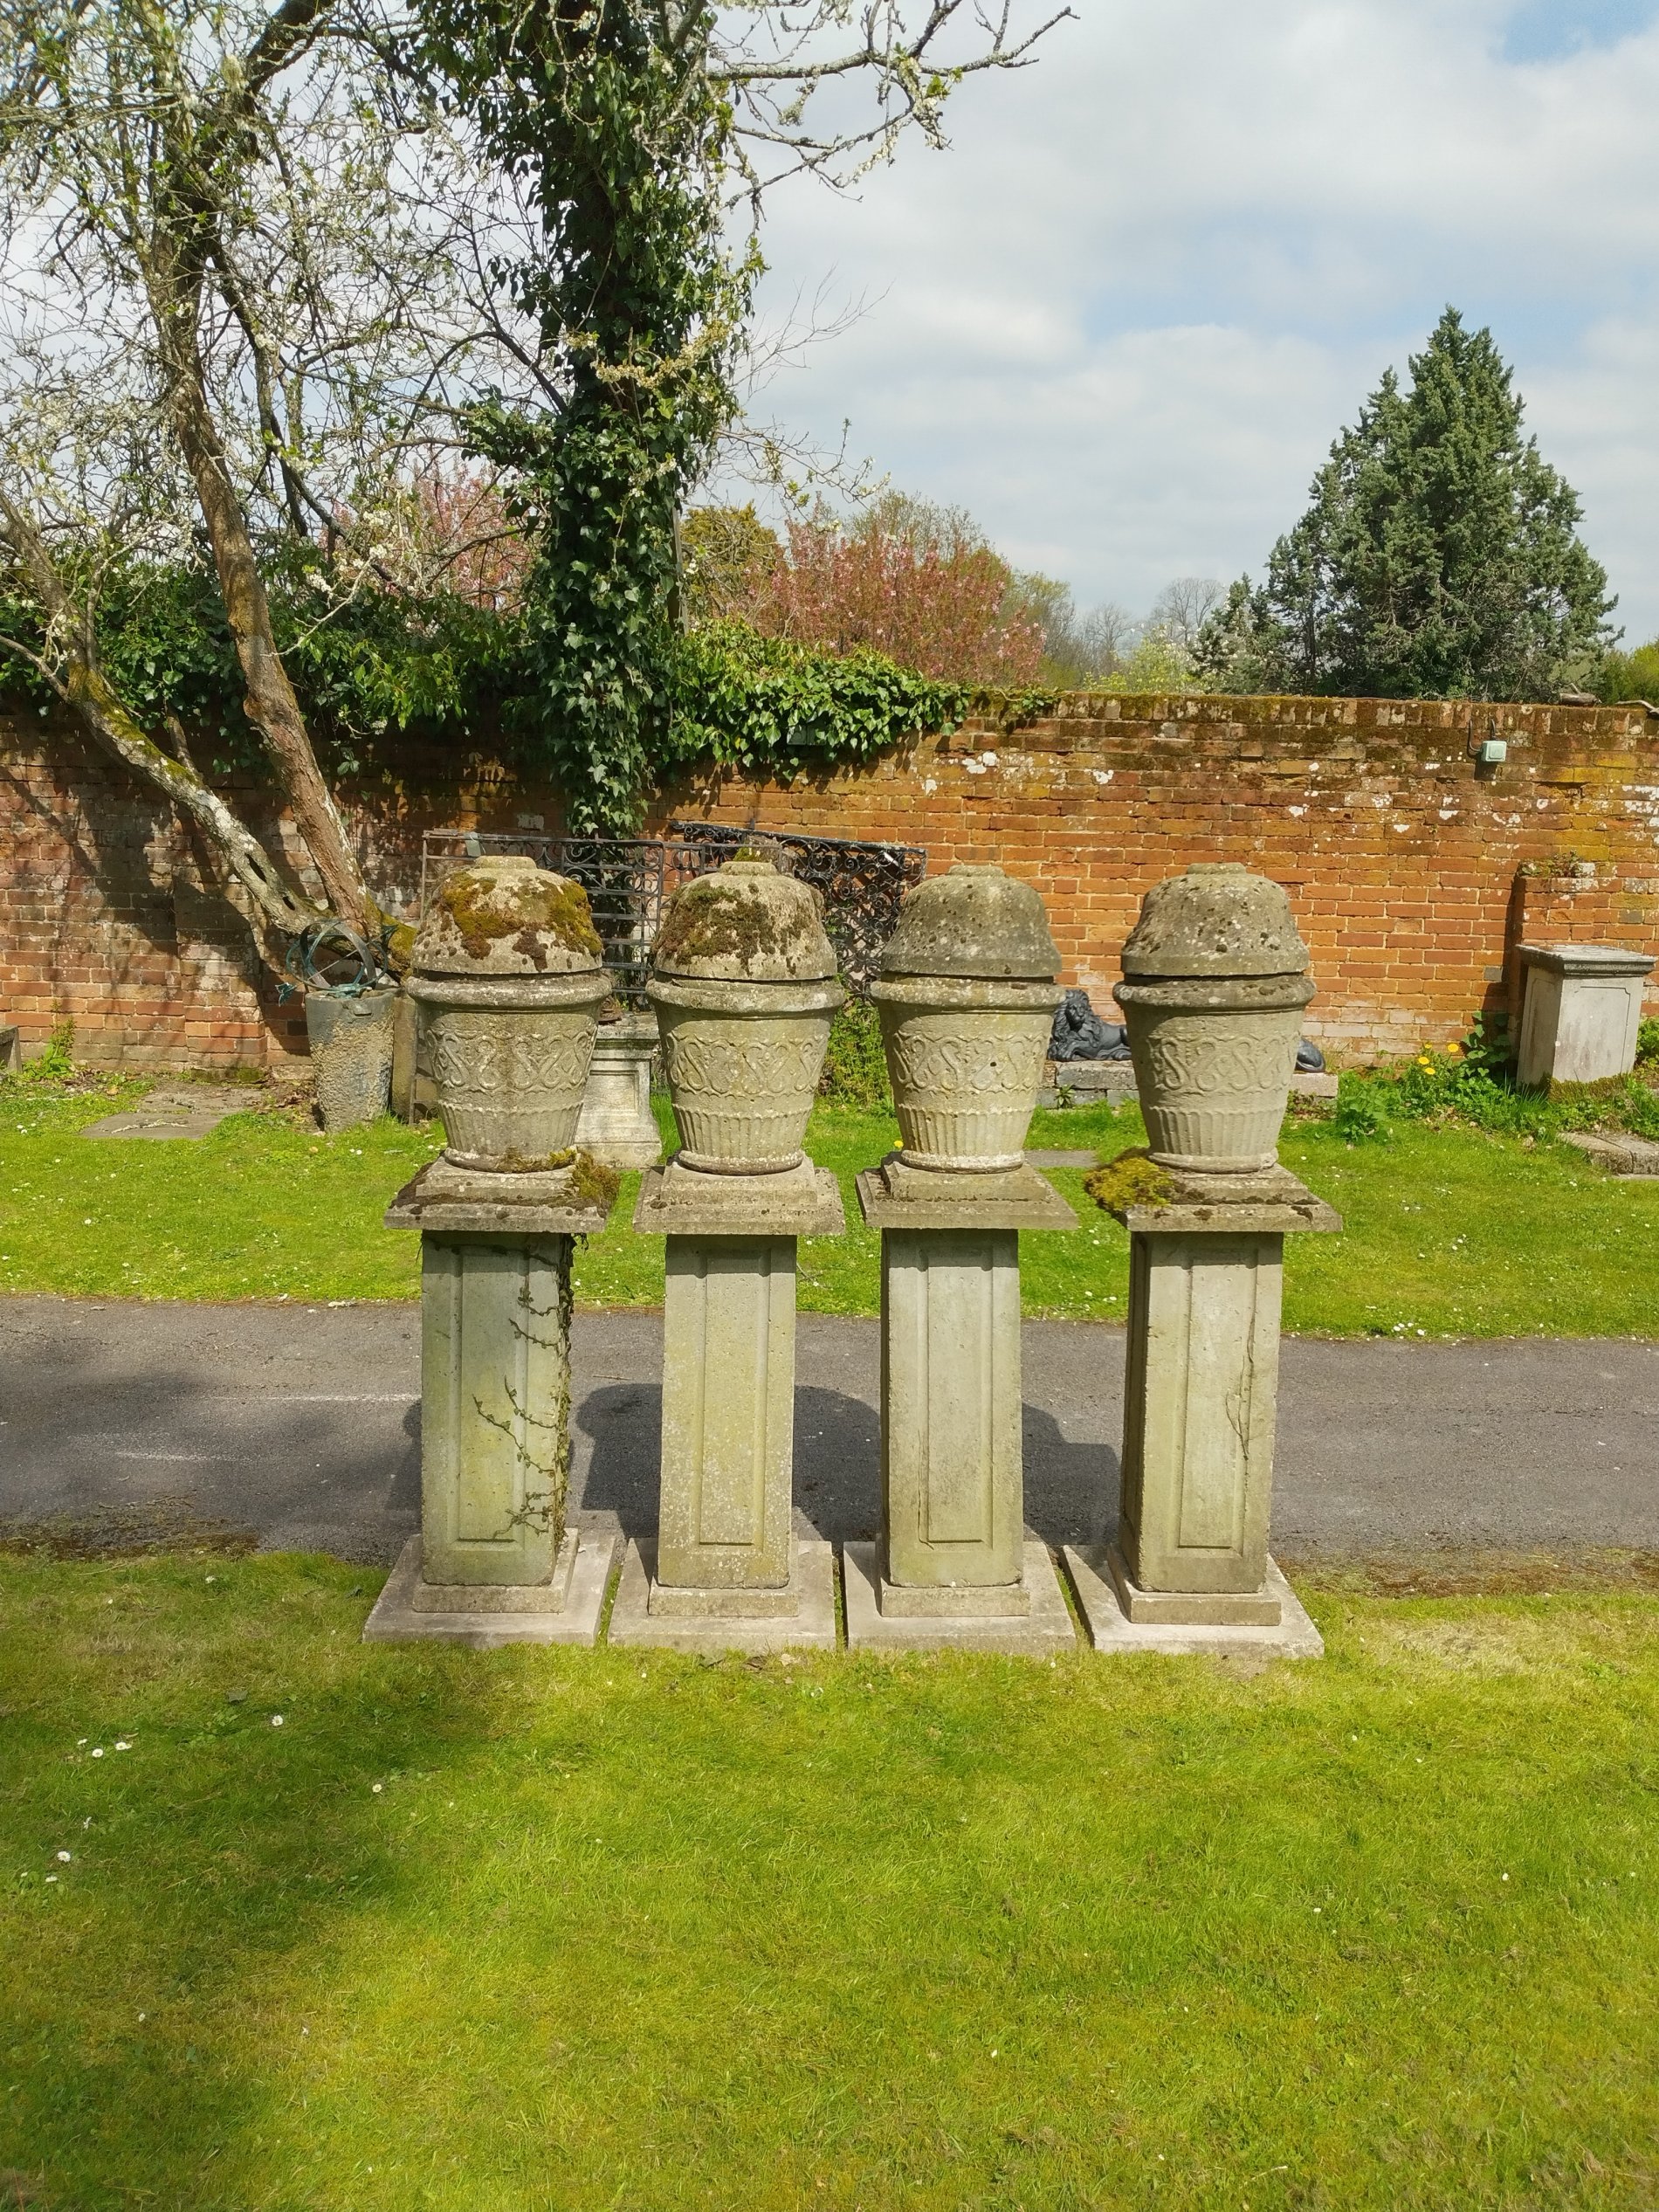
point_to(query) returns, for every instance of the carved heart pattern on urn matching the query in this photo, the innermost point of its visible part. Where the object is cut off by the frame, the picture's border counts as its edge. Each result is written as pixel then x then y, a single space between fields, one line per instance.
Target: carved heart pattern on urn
pixel 469 1054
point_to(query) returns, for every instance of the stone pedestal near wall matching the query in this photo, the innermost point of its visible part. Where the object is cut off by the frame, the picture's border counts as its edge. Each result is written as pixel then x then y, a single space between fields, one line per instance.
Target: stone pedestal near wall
pixel 1189 1569
pixel 496 1560
pixel 1581 1012
pixel 728 1571
pixel 955 1566
pixel 616 1124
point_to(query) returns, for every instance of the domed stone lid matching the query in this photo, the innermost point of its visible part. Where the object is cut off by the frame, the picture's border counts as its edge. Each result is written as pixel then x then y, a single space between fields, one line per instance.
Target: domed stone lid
pixel 973 921
pixel 745 923
pixel 1217 919
pixel 505 916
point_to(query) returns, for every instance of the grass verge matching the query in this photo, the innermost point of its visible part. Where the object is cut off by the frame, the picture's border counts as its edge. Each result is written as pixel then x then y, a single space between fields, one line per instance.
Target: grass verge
pixel 1451 1231
pixel 549 1930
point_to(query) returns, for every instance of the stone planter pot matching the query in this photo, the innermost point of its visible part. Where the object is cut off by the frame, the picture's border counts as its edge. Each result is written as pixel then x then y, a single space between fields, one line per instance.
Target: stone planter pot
pixel 743 985
pixel 966 1059
pixel 351 1049
pixel 1214 983
pixel 966 998
pixel 742 1062
pixel 510 1060
pixel 507 976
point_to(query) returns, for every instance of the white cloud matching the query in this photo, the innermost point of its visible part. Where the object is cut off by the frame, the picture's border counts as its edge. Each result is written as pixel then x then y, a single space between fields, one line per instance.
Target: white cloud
pixel 1123 319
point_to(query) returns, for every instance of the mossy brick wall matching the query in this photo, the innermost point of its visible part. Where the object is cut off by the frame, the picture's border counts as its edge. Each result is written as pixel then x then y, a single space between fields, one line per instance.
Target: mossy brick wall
pixel 1414 873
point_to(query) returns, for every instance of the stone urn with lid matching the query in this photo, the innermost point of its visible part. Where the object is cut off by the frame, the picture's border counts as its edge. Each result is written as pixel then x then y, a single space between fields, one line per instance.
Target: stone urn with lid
pixel 1215 981
pixel 967 996
pixel 743 981
pixel 507 970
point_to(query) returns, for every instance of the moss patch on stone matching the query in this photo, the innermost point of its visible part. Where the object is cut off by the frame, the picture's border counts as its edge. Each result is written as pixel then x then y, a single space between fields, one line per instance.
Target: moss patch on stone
pixel 593 1183
pixel 529 910
pixel 548 1163
pixel 716 921
pixel 1131 1179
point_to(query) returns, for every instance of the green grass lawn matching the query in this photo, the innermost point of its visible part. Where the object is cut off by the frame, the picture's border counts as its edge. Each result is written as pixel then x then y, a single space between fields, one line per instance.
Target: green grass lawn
pixel 540 1929
pixel 1450 1233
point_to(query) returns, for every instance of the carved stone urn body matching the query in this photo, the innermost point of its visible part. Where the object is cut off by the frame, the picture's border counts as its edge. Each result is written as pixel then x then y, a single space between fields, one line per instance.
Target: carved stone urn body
pixel 743 982
pixel 966 997
pixel 1214 983
pixel 508 973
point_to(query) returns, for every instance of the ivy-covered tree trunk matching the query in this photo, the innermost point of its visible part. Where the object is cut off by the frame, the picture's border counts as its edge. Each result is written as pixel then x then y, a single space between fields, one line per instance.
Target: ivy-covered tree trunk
pixel 608 115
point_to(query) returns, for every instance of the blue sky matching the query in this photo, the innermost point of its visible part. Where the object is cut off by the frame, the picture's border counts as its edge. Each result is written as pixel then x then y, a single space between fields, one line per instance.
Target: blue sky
pixel 1122 319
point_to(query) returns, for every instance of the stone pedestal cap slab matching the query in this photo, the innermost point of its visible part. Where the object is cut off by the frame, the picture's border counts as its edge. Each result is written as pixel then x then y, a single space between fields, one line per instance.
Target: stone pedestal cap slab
pixel 745 923
pixel 507 917
pixel 1270 1202
pixel 1218 919
pixel 896 1195
pixel 676 1201
pixel 447 1200
pixel 1586 960
pixel 974 922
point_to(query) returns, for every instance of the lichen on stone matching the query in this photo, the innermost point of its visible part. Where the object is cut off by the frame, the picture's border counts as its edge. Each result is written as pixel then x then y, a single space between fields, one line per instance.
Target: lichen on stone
pixel 1133 1178
pixel 525 908
pixel 716 921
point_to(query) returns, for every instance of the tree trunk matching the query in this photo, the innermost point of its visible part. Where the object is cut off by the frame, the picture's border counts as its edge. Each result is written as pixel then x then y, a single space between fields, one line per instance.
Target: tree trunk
pixel 270 705
pixel 85 687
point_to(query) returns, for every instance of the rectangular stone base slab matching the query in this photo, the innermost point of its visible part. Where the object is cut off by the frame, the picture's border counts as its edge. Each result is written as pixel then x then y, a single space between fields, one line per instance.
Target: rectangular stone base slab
pixel 1110 1629
pixel 1260 1608
pixel 1043 1631
pixel 955 1601
pixel 666 1603
pixel 396 1621
pixel 551 1596
pixel 812 1628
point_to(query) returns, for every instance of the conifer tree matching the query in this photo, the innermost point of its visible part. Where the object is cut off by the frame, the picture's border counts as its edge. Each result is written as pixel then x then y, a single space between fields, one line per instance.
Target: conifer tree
pixel 1439 557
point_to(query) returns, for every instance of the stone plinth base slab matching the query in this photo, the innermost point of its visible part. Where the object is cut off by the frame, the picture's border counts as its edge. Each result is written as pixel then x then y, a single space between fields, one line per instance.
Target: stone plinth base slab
pixel 394 1619
pixel 811 1628
pixel 1041 1633
pixel 551 1596
pixel 1110 1629
pixel 1191 1608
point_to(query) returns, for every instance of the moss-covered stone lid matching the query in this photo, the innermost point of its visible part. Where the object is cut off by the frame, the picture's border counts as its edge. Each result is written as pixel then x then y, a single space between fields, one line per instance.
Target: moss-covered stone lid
pixel 746 923
pixel 1216 920
pixel 976 921
pixel 505 916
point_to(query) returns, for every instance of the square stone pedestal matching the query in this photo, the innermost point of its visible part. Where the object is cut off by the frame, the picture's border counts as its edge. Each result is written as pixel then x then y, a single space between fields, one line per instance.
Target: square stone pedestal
pixel 616 1124
pixel 1201 1406
pixel 1043 1629
pixel 494 1563
pixel 1292 1635
pixel 953 1547
pixel 1581 1012
pixel 726 1558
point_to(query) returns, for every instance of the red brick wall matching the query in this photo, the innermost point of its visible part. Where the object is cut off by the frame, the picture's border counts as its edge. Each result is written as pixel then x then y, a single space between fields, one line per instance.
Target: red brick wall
pixel 1414 873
